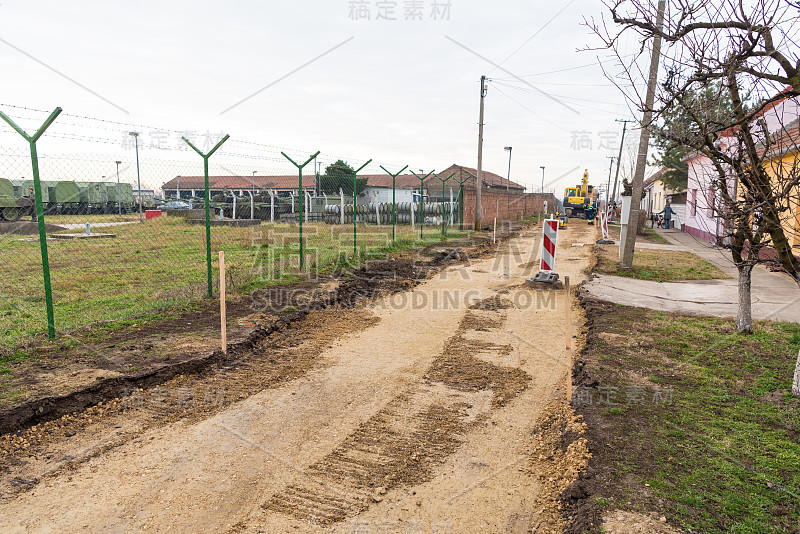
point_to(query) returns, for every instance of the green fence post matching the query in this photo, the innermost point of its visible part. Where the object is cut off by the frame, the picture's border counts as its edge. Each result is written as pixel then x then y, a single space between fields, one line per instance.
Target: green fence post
pixel 300 198
pixel 443 181
pixel 37 191
pixel 461 203
pixel 421 200
pixel 355 174
pixel 394 204
pixel 208 206
pixel 458 200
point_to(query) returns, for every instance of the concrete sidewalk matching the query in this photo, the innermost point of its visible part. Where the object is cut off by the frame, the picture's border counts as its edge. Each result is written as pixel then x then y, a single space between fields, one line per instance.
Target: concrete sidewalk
pixel 76 226
pixel 775 296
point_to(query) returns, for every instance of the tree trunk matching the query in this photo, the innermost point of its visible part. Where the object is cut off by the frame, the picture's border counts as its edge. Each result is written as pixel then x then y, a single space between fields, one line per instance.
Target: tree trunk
pixel 744 317
pixel 796 382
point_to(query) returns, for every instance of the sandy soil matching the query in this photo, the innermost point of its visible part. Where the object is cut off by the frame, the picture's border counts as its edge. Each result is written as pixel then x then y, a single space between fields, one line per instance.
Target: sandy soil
pixel 620 522
pixel 420 413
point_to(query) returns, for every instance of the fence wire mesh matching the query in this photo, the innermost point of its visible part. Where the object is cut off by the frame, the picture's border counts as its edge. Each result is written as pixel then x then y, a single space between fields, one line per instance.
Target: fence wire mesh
pixel 125 220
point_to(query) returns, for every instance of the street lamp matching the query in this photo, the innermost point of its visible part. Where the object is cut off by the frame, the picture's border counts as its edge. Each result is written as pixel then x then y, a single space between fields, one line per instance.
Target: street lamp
pixel 138 176
pixel 178 189
pixel 119 194
pixel 508 183
pixel 542 167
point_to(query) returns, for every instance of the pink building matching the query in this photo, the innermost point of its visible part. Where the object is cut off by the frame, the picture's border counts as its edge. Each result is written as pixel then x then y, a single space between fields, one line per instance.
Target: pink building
pixel 700 219
pixel 702 198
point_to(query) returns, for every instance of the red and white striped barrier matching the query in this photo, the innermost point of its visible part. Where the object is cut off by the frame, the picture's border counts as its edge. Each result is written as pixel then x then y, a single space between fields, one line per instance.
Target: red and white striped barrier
pixel 549 240
pixel 604 225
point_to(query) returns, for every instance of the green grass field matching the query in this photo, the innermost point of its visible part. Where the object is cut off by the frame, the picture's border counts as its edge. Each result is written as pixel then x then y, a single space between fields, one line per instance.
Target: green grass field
pixel 647 235
pixel 658 265
pixel 160 264
pixel 722 454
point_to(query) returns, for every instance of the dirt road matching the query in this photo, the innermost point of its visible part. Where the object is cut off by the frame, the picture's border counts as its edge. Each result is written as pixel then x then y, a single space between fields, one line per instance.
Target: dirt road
pixel 415 414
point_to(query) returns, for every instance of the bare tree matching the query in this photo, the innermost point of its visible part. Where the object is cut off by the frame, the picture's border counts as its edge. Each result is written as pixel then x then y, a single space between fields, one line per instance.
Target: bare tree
pixel 796 381
pixel 746 53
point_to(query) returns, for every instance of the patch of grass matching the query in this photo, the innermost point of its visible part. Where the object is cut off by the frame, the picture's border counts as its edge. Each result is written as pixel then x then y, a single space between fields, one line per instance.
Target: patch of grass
pixel 651 236
pixel 14 356
pixel 647 235
pixel 154 268
pixel 795 339
pixel 600 501
pixel 658 265
pixel 721 452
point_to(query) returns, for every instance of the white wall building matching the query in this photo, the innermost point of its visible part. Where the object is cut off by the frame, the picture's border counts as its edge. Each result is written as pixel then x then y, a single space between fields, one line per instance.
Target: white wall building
pixel 372 194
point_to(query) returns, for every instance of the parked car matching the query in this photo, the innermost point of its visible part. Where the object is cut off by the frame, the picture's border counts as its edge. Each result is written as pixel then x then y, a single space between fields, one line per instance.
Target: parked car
pixel 176 205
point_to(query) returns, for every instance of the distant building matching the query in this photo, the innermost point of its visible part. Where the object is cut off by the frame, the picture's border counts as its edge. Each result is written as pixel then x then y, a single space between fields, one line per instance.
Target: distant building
pixel 491 182
pixel 704 202
pixel 656 196
pixel 194 186
pixel 379 186
pixel 379 189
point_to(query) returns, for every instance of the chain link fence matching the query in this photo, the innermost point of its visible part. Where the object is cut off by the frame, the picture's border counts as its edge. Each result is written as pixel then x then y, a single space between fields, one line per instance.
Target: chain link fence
pixel 123 207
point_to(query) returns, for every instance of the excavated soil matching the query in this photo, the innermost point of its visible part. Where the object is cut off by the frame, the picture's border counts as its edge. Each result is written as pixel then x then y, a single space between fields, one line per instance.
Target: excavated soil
pixel 392 407
pixel 11 229
pixel 91 365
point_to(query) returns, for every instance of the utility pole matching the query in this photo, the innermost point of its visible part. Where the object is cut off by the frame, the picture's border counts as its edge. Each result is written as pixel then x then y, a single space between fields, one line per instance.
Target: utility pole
pixel 608 187
pixel 619 157
pixel 508 183
pixel 644 143
pixel 479 179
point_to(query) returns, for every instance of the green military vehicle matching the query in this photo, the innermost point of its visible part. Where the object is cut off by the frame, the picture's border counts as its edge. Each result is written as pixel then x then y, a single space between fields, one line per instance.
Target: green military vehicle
pixel 94 197
pixel 13 207
pixel 63 196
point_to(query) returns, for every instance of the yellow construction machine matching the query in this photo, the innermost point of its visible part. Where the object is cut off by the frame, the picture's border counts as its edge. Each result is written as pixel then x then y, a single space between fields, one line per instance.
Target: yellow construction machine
pixel 578 198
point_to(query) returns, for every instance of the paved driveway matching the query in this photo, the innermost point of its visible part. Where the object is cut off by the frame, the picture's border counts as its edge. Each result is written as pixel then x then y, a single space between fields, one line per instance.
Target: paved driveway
pixel 775 296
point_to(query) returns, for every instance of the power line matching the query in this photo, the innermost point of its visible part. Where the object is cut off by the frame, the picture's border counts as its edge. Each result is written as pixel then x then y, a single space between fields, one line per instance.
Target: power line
pixel 559 96
pixel 567 69
pixel 546 24
pixel 527 109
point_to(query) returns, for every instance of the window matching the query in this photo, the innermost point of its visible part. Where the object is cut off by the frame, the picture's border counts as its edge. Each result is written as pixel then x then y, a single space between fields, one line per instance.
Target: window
pixel 710 194
pixel 693 203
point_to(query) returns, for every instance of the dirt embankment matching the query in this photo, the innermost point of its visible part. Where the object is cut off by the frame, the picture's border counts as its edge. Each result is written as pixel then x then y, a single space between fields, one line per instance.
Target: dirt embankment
pixel 584 501
pixel 10 229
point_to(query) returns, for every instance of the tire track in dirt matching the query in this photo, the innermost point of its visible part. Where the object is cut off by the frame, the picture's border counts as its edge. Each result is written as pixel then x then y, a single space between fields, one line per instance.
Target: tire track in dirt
pixel 403 443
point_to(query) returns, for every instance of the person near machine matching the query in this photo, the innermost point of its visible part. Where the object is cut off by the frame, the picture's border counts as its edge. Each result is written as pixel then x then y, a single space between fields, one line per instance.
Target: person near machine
pixel 667 212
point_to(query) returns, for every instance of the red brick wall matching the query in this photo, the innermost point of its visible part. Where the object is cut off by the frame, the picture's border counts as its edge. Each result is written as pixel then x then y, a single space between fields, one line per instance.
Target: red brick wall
pixel 506 206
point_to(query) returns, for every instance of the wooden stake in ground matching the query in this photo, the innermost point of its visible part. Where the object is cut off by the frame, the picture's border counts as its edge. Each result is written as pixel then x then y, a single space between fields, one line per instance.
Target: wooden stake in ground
pixel 222 311
pixel 494 232
pixel 568 309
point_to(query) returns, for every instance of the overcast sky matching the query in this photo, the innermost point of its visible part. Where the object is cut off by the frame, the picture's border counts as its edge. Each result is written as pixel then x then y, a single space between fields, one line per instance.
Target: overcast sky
pixel 403 91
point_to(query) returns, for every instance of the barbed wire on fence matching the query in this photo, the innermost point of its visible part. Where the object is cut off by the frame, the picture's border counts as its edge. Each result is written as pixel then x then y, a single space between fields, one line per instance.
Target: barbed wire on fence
pixel 106 265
